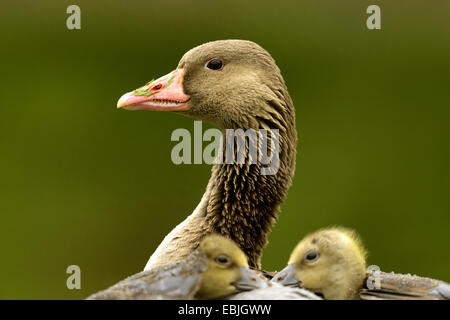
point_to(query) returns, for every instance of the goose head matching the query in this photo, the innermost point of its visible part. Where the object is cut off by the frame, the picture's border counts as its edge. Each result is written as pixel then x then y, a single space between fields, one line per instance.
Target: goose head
pixel 229 83
pixel 330 262
pixel 227 270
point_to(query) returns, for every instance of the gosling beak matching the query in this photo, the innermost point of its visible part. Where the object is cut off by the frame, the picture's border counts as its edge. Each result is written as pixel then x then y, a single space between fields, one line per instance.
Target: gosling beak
pixel 250 280
pixel 163 94
pixel 286 277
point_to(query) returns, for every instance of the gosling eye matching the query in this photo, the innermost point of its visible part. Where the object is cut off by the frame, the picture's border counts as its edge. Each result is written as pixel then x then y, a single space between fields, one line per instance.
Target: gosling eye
pixel 312 256
pixel 214 64
pixel 223 260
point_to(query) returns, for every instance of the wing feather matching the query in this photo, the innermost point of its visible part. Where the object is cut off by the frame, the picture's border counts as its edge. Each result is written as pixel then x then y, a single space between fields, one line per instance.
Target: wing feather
pixel 394 286
pixel 178 280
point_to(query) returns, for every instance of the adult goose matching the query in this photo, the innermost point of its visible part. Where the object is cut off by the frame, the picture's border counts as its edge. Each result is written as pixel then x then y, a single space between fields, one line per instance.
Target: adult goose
pixel 233 84
pixel 217 268
pixel 332 263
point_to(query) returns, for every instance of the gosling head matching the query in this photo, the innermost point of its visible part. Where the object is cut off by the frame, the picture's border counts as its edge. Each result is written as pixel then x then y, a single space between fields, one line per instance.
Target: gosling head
pixel 227 271
pixel 330 262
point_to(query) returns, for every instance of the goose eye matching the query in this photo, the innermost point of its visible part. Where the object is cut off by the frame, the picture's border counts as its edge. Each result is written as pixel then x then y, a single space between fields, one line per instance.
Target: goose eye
pixel 214 64
pixel 223 259
pixel 312 256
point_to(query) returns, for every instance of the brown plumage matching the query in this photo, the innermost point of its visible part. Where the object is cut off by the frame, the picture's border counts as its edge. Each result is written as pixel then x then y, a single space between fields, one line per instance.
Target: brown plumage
pixel 247 93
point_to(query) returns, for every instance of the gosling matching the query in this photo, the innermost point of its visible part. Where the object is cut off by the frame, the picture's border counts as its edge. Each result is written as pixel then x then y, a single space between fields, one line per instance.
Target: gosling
pixel 216 269
pixel 332 263
pixel 329 262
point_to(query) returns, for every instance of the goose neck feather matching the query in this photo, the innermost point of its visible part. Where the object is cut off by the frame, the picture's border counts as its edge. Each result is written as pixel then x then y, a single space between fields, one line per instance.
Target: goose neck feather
pixel 239 202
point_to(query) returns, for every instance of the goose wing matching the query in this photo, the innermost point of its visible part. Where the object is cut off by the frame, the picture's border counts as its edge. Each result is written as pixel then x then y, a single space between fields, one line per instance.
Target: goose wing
pixel 276 292
pixel 177 280
pixel 394 286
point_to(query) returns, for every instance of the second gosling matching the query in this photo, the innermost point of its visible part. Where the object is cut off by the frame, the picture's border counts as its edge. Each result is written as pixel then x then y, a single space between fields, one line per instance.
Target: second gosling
pixel 329 262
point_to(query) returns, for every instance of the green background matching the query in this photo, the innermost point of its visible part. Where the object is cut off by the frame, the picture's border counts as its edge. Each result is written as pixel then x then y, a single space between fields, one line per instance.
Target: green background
pixel 84 183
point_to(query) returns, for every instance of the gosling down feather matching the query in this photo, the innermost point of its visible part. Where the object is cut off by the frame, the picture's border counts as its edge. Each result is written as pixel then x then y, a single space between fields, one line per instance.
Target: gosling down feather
pixel 232 84
pixel 332 263
pixel 216 269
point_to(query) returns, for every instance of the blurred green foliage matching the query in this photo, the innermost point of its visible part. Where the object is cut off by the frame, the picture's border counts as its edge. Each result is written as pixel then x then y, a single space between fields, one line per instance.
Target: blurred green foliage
pixel 83 183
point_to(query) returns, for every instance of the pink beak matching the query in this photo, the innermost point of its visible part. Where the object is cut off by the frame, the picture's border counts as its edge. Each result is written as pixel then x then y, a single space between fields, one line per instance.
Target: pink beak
pixel 163 94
